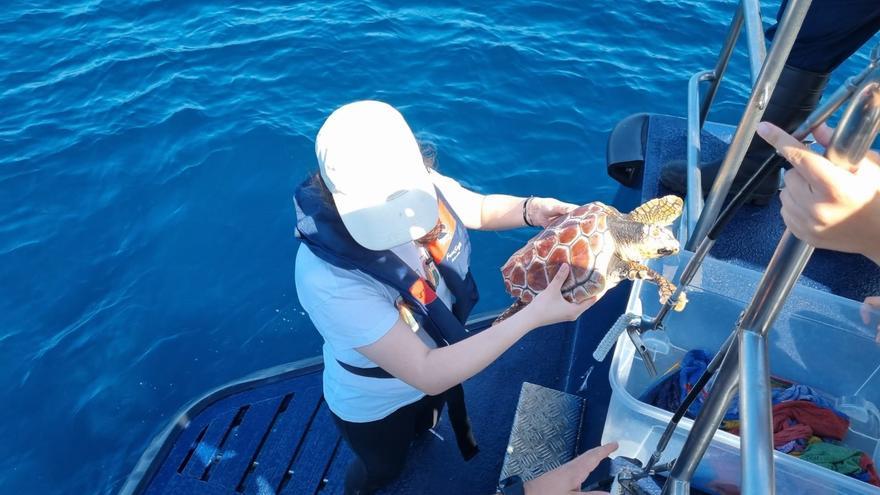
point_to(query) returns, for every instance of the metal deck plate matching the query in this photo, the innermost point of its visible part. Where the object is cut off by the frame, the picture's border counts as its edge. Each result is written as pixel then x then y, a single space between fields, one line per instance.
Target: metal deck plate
pixel 545 431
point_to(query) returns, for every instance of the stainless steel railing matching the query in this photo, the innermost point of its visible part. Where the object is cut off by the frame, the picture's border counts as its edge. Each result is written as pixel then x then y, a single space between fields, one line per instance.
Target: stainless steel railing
pixel 742 364
pixel 745 366
pixel 764 84
pixel 697 112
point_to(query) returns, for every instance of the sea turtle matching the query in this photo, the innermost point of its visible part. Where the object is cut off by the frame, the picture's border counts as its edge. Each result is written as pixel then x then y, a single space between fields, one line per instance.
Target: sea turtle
pixel 602 245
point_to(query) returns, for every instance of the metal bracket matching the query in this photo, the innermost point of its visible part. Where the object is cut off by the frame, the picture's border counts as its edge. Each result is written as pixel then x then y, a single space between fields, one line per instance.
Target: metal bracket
pixel 635 335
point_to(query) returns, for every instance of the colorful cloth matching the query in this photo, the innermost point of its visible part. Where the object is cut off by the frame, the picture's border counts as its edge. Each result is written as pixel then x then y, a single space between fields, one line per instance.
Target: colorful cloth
pixel 834 457
pixel 801 419
pixel 868 469
pixel 788 393
pixel 664 394
pixel 693 364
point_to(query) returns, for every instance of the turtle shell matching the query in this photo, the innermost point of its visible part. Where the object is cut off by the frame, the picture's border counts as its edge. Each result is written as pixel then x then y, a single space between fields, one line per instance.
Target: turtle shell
pixel 581 239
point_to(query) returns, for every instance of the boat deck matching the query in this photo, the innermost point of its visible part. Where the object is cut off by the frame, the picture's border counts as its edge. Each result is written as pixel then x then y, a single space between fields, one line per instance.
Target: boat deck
pixel 273 434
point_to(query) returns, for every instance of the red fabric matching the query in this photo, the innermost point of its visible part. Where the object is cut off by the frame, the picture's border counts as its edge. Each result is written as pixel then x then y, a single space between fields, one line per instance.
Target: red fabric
pixel 867 466
pixel 797 419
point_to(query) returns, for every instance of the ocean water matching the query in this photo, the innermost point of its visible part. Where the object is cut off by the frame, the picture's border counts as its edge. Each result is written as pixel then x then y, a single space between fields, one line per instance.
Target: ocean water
pixel 149 151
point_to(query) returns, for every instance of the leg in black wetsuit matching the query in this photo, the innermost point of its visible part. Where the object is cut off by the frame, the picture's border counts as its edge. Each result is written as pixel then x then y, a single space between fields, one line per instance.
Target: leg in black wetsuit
pixel 381 446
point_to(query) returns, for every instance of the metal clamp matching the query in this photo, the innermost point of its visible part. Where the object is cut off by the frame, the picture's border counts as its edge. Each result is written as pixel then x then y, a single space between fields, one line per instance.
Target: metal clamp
pixel 635 326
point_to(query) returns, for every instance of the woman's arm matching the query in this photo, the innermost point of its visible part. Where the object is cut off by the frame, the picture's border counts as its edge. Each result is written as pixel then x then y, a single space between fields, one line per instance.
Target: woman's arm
pixel 502 212
pixel 498 211
pixel 433 371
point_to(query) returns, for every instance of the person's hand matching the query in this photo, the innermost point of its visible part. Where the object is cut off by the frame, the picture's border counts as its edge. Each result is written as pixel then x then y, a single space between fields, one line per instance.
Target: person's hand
pixel 567 478
pixel 825 205
pixel 542 211
pixel 550 307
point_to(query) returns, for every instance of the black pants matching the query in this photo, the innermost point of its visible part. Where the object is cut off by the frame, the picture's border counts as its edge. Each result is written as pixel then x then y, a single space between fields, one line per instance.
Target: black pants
pixel 381 446
pixel 832 31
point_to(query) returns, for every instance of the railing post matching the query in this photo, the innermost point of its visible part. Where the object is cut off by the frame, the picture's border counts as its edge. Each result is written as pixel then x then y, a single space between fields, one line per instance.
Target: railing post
pixel 763 88
pixel 694 127
pixel 721 64
pixel 857 129
pixel 754 37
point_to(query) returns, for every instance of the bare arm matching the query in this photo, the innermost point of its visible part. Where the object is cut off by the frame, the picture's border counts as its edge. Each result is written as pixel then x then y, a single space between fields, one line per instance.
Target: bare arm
pixel 503 212
pixel 433 371
pixel 498 211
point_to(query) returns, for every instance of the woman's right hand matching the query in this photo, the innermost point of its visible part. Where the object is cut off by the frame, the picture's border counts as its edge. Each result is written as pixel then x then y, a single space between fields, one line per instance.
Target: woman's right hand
pixel 550 307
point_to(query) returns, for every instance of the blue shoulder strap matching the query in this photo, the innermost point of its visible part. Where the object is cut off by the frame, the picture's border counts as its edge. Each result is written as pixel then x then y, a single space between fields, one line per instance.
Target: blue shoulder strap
pixel 319 226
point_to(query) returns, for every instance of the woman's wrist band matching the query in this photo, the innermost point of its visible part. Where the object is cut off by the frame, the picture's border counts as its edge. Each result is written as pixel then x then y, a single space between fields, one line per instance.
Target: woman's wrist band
pixel 525 211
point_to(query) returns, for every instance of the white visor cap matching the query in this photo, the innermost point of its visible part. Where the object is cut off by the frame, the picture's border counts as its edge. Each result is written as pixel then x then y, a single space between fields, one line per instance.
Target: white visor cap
pixel 371 163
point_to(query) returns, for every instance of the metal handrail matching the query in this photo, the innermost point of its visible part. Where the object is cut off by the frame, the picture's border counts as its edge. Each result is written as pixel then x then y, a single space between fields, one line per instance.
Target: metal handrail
pixel 763 88
pixel 721 64
pixel 748 14
pixel 754 36
pixel 745 367
pixel 694 180
pixel 828 106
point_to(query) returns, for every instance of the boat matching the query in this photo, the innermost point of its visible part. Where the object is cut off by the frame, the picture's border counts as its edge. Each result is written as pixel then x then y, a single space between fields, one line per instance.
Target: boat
pixel 272 433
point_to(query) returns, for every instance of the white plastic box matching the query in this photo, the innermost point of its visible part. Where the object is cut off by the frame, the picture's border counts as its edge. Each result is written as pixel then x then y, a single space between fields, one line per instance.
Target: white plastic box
pixel 818 340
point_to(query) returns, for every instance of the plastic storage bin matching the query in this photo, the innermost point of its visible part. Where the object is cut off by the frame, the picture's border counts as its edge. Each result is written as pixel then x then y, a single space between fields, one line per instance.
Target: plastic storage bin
pixel 818 340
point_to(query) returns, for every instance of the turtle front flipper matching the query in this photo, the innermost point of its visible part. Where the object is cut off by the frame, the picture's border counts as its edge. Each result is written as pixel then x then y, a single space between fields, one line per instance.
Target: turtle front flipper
pixel 659 211
pixel 638 271
pixel 513 309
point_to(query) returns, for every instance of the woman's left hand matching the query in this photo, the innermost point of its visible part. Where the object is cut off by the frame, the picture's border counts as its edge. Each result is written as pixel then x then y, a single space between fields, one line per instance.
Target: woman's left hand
pixel 542 211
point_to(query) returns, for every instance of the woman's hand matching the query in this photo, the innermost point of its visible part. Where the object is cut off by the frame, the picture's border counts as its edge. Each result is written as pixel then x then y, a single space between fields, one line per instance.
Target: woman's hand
pixel 550 307
pixel 542 211
pixel 567 478
pixel 825 205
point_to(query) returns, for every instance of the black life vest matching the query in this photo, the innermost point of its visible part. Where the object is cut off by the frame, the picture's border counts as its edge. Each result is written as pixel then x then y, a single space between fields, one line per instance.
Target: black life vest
pixel 321 229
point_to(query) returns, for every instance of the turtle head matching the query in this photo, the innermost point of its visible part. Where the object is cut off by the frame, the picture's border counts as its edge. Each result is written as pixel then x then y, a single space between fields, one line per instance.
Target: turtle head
pixel 648 229
pixel 658 241
pixel 650 241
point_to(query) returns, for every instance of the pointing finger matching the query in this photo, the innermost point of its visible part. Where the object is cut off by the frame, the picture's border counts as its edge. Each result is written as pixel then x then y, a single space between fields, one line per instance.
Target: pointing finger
pixel 778 138
pixel 816 170
pixel 585 463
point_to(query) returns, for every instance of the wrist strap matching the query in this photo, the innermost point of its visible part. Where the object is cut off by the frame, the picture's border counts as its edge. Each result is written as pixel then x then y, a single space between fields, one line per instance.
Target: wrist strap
pixel 525 211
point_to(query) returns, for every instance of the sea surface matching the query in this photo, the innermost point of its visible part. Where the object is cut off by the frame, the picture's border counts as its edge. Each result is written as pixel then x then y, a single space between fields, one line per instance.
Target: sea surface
pixel 149 151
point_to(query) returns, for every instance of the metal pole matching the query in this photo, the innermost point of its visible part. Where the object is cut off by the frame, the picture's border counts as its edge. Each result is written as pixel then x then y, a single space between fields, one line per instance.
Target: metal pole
pixel 756 435
pixel 705 425
pixel 721 64
pixel 764 86
pixel 858 127
pixel 755 37
pixel 819 115
pixel 694 187
pixel 852 144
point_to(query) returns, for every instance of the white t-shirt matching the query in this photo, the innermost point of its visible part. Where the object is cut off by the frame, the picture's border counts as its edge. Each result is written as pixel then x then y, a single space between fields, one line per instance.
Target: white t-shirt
pixel 350 309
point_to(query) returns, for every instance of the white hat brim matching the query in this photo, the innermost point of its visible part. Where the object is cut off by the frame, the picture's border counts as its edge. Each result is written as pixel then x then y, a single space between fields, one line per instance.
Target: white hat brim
pixel 403 217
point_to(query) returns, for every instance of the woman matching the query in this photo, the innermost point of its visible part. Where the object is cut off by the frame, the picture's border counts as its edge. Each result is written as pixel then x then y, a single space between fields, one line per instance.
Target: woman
pixel 383 272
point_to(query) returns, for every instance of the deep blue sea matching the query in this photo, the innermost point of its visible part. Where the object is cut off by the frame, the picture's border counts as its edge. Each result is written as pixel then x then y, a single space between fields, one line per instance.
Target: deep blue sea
pixel 149 151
